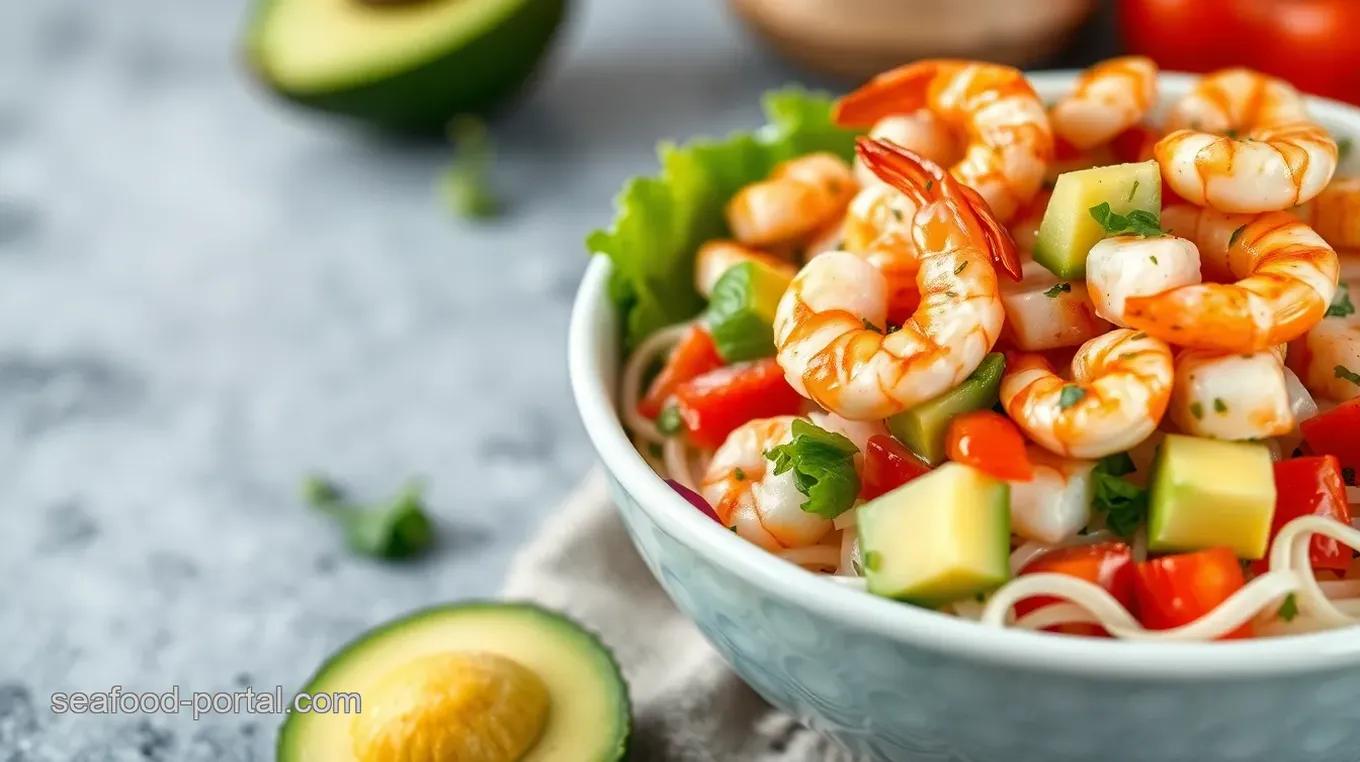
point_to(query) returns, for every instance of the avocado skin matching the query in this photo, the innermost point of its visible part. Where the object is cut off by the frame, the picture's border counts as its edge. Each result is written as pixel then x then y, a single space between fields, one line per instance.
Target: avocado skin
pixel 474 78
pixel 623 746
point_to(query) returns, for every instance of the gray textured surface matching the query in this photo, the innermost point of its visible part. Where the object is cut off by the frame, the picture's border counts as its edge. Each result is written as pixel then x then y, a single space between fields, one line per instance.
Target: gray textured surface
pixel 204 295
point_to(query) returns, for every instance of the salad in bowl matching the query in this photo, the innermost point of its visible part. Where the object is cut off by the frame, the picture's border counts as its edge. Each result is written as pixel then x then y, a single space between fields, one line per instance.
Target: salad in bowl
pixel 1087 365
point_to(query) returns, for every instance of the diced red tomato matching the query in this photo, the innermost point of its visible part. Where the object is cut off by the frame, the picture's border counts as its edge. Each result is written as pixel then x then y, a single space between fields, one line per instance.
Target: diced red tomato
pixel 694 355
pixel 988 441
pixel 714 404
pixel 1176 590
pixel 1311 486
pixel 888 464
pixel 1064 151
pixel 1134 145
pixel 1307 42
pixel 1336 432
pixel 1108 564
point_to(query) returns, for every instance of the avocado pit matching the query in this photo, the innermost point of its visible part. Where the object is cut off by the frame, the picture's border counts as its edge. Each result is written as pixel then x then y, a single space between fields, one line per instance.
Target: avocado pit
pixel 452 707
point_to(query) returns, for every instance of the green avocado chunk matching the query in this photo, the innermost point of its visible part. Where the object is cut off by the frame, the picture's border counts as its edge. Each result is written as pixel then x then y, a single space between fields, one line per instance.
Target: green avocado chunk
pixel 408 65
pixel 939 538
pixel 1068 230
pixel 1208 493
pixel 923 428
pixel 408 705
pixel 741 311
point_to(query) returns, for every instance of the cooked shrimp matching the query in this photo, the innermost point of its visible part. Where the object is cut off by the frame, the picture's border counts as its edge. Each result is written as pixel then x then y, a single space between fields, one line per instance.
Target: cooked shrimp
pixel 878 230
pixel 799 198
pixel 1334 342
pixel 1335 213
pixel 748 497
pixel 1010 141
pixel 1055 504
pixel 717 257
pixel 1108 98
pixel 829 325
pixel 1124 266
pixel 1243 142
pixel 921 132
pixel 1121 383
pixel 1231 396
pixel 1045 313
pixel 1287 273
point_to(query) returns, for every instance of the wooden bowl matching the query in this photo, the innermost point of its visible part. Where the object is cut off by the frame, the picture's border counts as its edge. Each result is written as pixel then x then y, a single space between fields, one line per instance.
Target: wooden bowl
pixel 855 39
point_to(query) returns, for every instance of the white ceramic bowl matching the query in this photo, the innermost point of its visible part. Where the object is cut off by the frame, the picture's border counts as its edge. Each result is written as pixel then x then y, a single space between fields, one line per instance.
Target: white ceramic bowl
pixel 896 682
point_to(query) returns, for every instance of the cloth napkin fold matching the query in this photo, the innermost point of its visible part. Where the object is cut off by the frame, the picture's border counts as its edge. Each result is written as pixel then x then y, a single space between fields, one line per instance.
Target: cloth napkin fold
pixel 688 706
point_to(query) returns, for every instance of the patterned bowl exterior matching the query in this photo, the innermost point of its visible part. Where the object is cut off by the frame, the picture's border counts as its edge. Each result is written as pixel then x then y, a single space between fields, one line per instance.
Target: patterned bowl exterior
pixel 890 700
pixel 919 693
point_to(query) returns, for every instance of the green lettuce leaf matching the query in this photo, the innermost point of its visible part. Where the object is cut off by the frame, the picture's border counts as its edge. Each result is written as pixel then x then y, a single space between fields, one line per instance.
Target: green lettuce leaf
pixel 659 222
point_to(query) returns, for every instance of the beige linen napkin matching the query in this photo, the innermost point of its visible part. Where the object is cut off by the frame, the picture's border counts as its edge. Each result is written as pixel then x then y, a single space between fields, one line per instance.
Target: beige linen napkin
pixel 688 706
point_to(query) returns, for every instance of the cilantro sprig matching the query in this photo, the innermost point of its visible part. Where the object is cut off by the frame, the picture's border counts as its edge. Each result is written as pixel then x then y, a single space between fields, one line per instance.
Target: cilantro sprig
pixel 1124 503
pixel 1138 222
pixel 1341 305
pixel 466 184
pixel 398 528
pixel 823 465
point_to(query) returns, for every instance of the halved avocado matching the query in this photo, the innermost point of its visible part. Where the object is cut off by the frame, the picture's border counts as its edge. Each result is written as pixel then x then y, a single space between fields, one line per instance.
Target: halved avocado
pixel 402 64
pixel 457 676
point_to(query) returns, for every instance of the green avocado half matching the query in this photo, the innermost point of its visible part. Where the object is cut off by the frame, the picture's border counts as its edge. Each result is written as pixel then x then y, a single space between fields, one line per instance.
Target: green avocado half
pixel 406 704
pixel 407 65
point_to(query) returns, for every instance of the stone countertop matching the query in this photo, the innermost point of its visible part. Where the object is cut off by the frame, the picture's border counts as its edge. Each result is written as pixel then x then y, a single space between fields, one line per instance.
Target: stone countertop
pixel 205 295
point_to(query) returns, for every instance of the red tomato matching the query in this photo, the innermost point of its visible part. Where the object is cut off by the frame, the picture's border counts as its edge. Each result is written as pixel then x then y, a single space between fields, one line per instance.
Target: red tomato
pixel 989 442
pixel 694 355
pixel 1310 43
pixel 1176 590
pixel 1307 42
pixel 1108 564
pixel 716 403
pixel 1135 145
pixel 1183 35
pixel 1311 487
pixel 888 464
pixel 1336 432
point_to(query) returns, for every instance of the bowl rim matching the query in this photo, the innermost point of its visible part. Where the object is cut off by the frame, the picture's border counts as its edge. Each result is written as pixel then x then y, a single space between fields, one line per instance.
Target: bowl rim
pixel 592 364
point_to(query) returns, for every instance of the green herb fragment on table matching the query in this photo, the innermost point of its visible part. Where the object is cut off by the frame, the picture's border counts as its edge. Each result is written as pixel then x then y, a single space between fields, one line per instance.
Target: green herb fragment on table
pixel 466 184
pixel 396 529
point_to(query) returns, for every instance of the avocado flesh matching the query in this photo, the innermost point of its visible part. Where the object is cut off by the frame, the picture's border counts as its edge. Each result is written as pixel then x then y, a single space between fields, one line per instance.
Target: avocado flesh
pixel 742 309
pixel 589 713
pixel 1068 230
pixel 1208 493
pixel 409 67
pixel 923 429
pixel 939 538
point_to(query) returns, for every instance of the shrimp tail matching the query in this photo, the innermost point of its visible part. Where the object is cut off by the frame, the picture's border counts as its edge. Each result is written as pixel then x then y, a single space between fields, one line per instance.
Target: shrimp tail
pixel 923 181
pixel 897 91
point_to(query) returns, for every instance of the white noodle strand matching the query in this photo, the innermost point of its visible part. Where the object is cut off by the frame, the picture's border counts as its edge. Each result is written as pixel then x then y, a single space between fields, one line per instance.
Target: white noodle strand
pixel 631 383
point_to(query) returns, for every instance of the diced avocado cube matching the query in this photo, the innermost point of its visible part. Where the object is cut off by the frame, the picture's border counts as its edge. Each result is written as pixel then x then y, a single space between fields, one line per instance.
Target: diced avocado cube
pixel 923 428
pixel 741 312
pixel 1208 493
pixel 1069 231
pixel 938 538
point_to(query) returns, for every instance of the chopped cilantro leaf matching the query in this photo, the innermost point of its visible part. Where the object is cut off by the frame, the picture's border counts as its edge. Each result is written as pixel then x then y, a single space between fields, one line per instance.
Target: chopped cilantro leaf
pixel 1137 222
pixel 1123 503
pixel 1061 288
pixel 1197 410
pixel 1070 395
pixel 823 465
pixel 1220 406
pixel 1341 303
pixel 1289 609
pixel 668 422
pixel 1232 239
pixel 1343 372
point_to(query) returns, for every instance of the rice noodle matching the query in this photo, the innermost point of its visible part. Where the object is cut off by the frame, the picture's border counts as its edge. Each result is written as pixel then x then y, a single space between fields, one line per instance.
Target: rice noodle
pixel 1021 556
pixel 677 462
pixel 822 556
pixel 1321 604
pixel 849 552
pixel 845 520
pixel 1095 605
pixel 631 383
